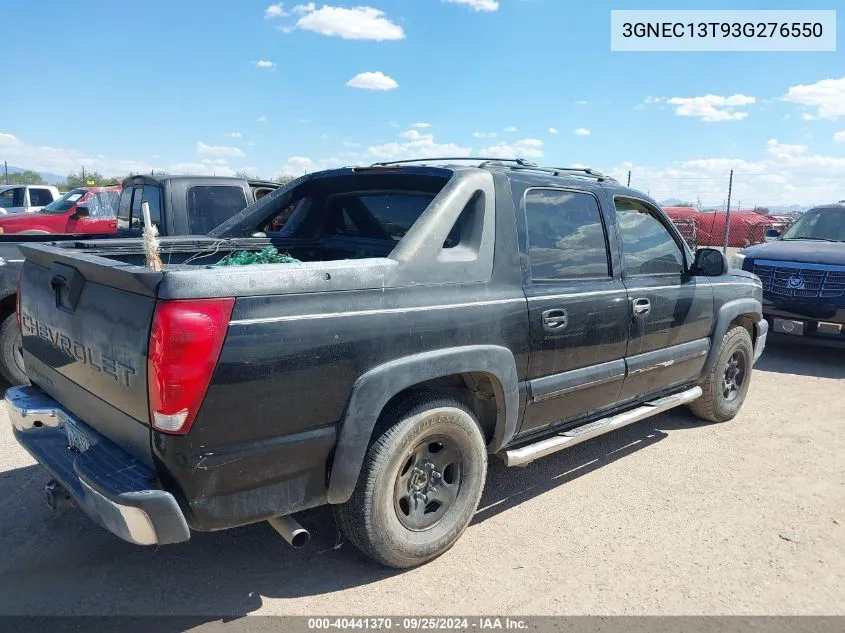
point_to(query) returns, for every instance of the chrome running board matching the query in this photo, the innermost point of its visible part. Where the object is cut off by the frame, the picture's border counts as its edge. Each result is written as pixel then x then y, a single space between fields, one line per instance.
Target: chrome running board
pixel 526 454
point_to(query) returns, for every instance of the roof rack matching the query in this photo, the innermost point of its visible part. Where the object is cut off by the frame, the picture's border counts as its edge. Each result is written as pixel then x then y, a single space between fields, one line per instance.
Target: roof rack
pixel 513 163
pixel 519 161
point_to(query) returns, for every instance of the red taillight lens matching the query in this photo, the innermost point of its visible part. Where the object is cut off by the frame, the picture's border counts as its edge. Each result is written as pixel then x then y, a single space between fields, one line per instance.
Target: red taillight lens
pixel 185 344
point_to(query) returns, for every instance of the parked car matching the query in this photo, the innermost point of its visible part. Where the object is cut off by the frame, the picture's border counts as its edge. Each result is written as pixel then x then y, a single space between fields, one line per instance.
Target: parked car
pixel 79 211
pixel 180 205
pixel 26 198
pixel 437 315
pixel 803 275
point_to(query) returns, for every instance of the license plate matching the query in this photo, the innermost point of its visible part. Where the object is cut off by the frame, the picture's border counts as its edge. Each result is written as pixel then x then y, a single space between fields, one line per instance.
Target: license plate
pixel 787 326
pixel 829 328
pixel 76 438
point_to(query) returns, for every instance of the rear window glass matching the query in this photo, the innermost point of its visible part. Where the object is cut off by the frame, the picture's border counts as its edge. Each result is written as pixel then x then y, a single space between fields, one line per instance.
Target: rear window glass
pixel 210 206
pixel 64 203
pixel 383 216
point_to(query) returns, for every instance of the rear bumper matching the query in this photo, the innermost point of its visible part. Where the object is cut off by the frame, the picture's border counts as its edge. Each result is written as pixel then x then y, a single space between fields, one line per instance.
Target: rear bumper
pixel 762 337
pixel 115 489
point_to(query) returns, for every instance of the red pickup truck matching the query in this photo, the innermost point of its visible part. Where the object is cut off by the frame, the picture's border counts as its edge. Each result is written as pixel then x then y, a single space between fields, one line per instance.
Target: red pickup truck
pixel 81 210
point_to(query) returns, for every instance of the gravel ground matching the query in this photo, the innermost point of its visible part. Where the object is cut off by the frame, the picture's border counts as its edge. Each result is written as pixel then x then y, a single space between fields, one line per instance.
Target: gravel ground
pixel 668 516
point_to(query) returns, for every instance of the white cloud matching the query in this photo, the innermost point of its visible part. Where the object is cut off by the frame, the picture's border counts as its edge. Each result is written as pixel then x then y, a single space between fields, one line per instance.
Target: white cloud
pixel 351 144
pixel 827 96
pixel 8 139
pixel 234 135
pixel 251 144
pixel 784 150
pixel 416 145
pixel 298 165
pixel 484 134
pixel 711 108
pixel 358 23
pixel 372 81
pixel 265 64
pixel 302 9
pixel 785 175
pixel 581 131
pixel 205 168
pixel 839 137
pixel 478 5
pixel 420 125
pixel 808 117
pixel 580 103
pixel 275 11
pixel 261 119
pixel 512 129
pixel 393 124
pixel 553 130
pixel 526 148
pixel 650 100
pixel 285 28
pixel 218 150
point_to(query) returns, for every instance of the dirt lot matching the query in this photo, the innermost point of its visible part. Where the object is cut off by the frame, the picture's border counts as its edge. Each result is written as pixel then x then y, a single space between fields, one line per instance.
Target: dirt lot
pixel 668 516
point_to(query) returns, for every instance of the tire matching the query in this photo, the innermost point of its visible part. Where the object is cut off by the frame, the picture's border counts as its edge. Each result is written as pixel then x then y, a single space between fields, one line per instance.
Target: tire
pixel 384 518
pixel 11 361
pixel 722 398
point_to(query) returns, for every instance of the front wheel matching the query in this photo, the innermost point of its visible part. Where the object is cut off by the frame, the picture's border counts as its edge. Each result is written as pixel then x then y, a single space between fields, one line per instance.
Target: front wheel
pixel 726 385
pixel 420 483
pixel 11 356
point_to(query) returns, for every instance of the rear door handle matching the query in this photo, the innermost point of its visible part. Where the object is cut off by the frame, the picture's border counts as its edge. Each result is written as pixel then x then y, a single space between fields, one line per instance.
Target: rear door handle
pixel 642 307
pixel 556 319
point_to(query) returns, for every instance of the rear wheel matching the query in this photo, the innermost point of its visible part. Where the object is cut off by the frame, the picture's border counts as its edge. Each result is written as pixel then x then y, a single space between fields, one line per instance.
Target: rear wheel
pixel 726 385
pixel 11 356
pixel 420 483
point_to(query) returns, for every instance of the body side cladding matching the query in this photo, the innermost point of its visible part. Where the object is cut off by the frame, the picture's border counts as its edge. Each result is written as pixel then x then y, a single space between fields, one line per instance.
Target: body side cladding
pixel 373 391
pixel 725 315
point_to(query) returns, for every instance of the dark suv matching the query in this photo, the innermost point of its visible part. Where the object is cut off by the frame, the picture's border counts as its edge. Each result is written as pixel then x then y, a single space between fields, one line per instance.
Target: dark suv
pixel 803 275
pixel 438 314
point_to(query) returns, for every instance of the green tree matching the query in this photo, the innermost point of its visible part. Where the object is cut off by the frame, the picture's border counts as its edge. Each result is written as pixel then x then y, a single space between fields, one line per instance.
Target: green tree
pixel 245 175
pixel 283 180
pixel 685 204
pixel 92 179
pixel 26 177
pixel 761 210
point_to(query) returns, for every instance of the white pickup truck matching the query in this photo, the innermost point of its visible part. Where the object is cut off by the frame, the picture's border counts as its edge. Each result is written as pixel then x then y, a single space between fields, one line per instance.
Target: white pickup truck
pixel 26 198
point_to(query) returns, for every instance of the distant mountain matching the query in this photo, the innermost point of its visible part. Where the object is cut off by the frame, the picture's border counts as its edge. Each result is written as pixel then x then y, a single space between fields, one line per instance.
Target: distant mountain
pixel 51 179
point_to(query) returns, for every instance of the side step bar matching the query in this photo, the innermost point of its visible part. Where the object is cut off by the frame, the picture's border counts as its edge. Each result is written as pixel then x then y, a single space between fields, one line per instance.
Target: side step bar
pixel 526 454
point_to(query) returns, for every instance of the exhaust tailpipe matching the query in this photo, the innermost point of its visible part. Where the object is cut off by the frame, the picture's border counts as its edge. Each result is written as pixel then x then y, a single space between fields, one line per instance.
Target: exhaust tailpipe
pixel 296 535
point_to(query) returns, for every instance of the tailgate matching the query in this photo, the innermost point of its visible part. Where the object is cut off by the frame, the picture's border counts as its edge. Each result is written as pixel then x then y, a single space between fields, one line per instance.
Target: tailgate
pixel 85 323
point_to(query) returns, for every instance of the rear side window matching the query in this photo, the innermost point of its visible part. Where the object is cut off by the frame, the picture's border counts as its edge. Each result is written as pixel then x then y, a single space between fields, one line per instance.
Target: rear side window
pixel 40 197
pixel 130 220
pixel 566 237
pixel 381 216
pixel 647 245
pixel 210 206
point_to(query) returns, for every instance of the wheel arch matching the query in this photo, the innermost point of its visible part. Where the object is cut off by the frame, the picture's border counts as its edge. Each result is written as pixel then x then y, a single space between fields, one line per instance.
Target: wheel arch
pixel 746 312
pixel 372 392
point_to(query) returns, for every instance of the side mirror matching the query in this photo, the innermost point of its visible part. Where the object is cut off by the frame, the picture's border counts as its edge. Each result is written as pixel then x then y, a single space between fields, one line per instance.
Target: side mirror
pixel 771 235
pixel 81 212
pixel 710 262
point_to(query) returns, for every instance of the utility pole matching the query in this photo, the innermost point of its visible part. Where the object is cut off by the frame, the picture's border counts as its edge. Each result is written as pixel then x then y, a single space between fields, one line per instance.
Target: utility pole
pixel 83 175
pixel 728 213
pixel 629 177
pixel 6 169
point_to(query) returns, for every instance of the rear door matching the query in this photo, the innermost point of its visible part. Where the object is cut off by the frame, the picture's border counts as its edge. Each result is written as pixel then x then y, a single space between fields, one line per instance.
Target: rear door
pixel 577 308
pixel 671 310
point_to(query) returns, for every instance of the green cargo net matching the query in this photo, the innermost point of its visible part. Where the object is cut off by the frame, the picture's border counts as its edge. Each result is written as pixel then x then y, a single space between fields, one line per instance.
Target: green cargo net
pixel 268 256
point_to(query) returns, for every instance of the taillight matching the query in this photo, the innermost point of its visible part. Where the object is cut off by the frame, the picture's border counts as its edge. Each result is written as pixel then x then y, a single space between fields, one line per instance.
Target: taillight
pixel 185 344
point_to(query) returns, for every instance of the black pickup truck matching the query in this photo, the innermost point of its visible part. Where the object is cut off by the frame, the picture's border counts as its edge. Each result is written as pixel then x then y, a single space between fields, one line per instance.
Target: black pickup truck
pixel 180 205
pixel 439 314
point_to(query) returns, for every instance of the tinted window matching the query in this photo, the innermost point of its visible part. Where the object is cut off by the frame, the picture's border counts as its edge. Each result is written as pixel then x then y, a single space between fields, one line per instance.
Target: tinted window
pixel 60 205
pixel 385 216
pixel 40 197
pixel 822 224
pixel 210 206
pixel 647 245
pixel 12 198
pixel 130 220
pixel 565 235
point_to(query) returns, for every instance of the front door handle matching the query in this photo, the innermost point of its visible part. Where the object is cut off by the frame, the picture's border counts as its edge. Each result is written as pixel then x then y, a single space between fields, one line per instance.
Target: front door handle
pixel 642 307
pixel 554 320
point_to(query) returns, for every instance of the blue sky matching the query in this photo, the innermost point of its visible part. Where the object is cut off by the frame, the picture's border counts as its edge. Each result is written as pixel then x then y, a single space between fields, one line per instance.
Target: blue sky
pixel 219 86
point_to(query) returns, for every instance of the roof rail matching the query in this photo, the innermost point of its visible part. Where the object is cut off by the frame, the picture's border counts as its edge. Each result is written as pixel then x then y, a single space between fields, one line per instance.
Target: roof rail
pixel 519 161
pixel 513 163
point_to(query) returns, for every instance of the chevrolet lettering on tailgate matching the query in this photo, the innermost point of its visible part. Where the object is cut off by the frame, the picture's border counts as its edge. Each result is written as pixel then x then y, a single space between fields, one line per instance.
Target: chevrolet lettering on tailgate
pixel 121 372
